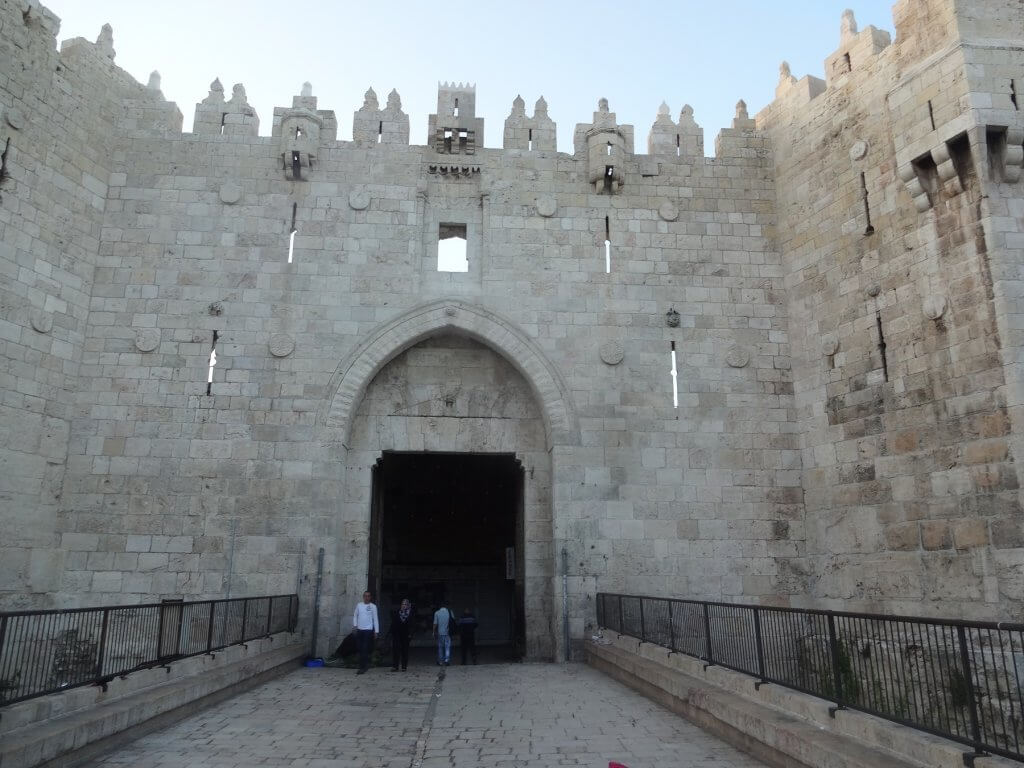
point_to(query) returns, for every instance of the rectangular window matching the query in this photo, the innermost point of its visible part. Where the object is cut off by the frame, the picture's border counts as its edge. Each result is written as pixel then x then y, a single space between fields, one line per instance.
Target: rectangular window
pixel 451 248
pixel 675 378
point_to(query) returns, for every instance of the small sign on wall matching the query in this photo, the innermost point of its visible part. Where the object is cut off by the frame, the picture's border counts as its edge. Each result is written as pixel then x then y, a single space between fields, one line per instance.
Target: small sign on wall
pixel 510 563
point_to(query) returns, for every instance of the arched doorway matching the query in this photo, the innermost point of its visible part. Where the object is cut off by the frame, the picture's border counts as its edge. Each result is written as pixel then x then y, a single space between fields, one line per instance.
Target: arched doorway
pixel 501 396
pixel 459 491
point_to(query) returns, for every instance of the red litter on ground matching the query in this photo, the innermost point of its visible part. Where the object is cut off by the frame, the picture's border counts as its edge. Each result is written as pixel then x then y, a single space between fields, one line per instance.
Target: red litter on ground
pixel 613 764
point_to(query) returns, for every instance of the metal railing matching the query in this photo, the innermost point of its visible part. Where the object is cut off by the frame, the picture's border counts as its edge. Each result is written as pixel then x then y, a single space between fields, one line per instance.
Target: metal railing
pixel 958 679
pixel 44 652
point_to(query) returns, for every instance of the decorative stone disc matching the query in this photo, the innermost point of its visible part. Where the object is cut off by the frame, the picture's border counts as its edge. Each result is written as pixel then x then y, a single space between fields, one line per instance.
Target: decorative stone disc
pixel 873 290
pixel 546 206
pixel 147 339
pixel 858 150
pixel 450 311
pixel 12 117
pixel 668 211
pixel 281 345
pixel 359 199
pixel 934 306
pixel 612 352
pixel 737 357
pixel 230 193
pixel 41 320
pixel 829 345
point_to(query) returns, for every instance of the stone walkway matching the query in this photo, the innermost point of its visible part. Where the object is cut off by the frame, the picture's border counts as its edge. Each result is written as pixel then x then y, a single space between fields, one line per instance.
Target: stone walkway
pixel 483 716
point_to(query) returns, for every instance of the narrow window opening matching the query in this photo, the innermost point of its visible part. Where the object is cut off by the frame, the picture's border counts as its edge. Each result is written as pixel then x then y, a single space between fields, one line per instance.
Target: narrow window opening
pixel 448 140
pixel 607 245
pixel 451 248
pixel 456 108
pixel 296 166
pixel 463 139
pixel 298 132
pixel 931 114
pixel 380 131
pixel 679 146
pixel 1013 93
pixel 608 149
pixel 847 62
pixel 869 229
pixel 675 378
pixel 881 345
pixel 294 230
pixel 223 119
pixel 609 172
pixel 529 140
pixel 213 362
pixel 831 362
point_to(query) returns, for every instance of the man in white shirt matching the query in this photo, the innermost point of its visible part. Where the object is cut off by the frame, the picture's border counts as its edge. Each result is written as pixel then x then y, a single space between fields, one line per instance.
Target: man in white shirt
pixel 442 619
pixel 367 628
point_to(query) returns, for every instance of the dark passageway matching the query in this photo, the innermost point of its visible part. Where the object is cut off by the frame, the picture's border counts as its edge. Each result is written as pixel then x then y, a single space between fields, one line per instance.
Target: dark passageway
pixel 448 526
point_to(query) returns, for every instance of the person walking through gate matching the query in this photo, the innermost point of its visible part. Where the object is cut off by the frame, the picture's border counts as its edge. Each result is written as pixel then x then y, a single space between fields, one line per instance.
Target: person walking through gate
pixel 467 634
pixel 442 620
pixel 401 633
pixel 367 627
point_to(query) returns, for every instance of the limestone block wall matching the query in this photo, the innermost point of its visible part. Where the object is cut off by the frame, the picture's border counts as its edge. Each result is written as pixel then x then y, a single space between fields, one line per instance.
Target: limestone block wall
pixel 57 130
pixel 909 471
pixel 179 486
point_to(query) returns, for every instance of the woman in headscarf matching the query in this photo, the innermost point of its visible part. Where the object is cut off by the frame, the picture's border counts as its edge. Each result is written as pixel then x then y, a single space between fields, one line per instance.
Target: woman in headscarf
pixel 401 633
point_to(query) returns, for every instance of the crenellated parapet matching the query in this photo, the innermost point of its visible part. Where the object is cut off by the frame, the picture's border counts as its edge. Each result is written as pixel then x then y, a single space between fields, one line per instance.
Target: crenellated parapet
pixel 372 125
pixel 530 133
pixel 217 117
pixel 670 139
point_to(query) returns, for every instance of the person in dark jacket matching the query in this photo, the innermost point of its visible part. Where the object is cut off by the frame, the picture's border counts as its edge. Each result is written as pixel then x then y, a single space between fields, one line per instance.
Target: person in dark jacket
pixel 467 634
pixel 401 633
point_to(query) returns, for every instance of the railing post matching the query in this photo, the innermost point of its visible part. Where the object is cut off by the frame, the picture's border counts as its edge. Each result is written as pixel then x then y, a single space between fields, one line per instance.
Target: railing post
pixel 760 643
pixel 209 629
pixel 619 628
pixel 707 636
pixel 103 643
pixel 160 632
pixel 965 662
pixel 600 609
pixel 837 676
pixel 293 612
pixel 671 628
pixel 245 617
pixel 643 628
pixel 270 613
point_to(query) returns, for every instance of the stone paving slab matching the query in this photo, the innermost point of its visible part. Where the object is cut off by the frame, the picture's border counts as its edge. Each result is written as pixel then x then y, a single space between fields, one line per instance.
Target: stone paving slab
pixel 489 715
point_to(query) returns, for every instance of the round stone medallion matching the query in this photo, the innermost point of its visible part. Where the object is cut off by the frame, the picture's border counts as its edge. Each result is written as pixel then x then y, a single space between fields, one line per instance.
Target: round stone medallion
pixel 612 352
pixel 230 193
pixel 546 206
pixel 147 339
pixel 737 357
pixel 668 211
pixel 858 150
pixel 829 345
pixel 451 311
pixel 934 306
pixel 359 199
pixel 873 290
pixel 41 320
pixel 12 117
pixel 281 345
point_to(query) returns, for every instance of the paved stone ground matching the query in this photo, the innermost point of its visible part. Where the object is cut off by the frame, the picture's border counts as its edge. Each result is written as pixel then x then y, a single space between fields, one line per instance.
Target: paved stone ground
pixel 488 715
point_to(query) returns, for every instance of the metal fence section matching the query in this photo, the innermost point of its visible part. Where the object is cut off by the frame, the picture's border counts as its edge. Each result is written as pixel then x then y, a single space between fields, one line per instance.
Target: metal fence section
pixel 44 652
pixel 957 679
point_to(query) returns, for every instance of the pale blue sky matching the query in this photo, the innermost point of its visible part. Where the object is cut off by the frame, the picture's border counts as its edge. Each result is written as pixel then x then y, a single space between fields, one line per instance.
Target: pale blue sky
pixel 705 54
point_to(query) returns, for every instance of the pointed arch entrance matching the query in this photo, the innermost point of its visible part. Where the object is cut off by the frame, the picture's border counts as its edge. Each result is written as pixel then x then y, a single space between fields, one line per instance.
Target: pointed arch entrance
pixel 452 379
